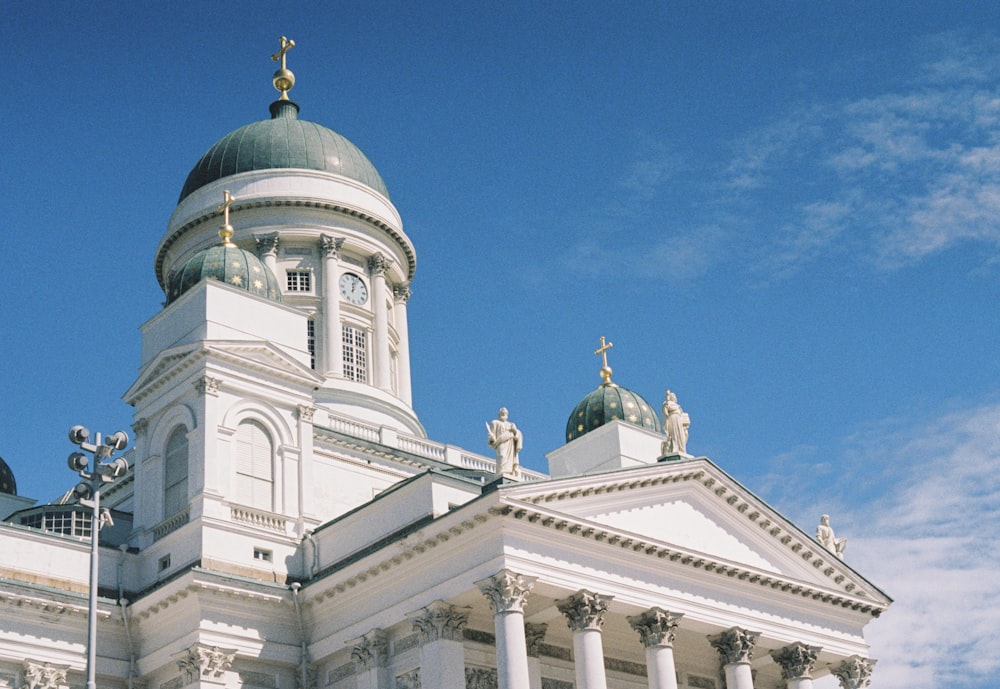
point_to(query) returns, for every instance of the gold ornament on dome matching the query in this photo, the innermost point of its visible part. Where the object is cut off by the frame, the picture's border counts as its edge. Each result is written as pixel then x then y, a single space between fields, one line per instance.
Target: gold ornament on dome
pixel 283 79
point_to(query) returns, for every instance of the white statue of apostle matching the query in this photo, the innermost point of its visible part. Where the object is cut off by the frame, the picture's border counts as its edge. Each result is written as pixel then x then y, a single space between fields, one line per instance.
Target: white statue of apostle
pixel 503 436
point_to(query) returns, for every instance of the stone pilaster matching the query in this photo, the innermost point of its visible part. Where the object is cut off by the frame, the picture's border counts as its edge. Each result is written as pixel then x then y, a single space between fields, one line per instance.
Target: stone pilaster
pixel 735 647
pixel 796 662
pixel 584 612
pixel 534 635
pixel 401 295
pixel 370 654
pixel 855 672
pixel 507 592
pixel 656 628
pixel 442 655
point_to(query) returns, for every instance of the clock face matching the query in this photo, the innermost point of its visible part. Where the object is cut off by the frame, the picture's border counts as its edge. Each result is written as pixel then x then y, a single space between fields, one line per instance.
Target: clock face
pixel 353 289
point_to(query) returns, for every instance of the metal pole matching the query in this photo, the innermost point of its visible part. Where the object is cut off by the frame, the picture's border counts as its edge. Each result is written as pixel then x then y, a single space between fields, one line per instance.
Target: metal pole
pixel 95 527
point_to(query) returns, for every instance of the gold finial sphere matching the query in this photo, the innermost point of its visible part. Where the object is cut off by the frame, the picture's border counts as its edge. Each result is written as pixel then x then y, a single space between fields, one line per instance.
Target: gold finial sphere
pixel 606 374
pixel 226 235
pixel 283 80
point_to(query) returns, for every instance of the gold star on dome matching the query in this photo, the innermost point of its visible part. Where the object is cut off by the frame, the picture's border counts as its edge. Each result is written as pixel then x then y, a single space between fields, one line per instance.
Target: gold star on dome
pixel 236 280
pixel 633 418
pixel 236 264
pixel 257 284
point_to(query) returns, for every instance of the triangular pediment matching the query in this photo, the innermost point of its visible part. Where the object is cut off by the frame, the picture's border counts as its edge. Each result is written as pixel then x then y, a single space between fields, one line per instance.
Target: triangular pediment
pixel 262 358
pixel 691 512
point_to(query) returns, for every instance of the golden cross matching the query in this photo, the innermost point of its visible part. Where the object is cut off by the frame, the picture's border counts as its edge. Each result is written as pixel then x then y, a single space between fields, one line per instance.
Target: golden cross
pixel 228 200
pixel 286 45
pixel 603 351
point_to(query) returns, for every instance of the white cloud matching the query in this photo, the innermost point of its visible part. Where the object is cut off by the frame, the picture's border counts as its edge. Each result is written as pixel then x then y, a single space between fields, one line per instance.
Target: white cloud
pixel 921 508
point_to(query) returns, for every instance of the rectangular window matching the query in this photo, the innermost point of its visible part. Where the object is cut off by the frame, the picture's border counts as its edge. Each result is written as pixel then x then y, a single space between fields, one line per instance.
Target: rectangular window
pixel 164 562
pixel 262 555
pixel 311 341
pixel 298 281
pixel 355 354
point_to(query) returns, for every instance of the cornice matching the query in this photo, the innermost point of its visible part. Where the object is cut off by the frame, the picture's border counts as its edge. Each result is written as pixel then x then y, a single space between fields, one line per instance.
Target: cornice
pixel 401 240
pixel 247 590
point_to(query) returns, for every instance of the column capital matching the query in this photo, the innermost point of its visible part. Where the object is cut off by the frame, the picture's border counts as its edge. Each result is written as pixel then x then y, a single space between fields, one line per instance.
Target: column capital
pixel 207 385
pixel 402 293
pixel 584 610
pixel 201 663
pixel 796 660
pixel 330 246
pixel 370 650
pixel 440 620
pixel 735 645
pixel 656 626
pixel 855 672
pixel 39 675
pixel 507 591
pixel 305 413
pixel 378 264
pixel 266 243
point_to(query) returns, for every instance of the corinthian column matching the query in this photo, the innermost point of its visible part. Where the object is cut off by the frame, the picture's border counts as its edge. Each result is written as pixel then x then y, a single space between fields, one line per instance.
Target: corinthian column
pixel 855 672
pixel 656 628
pixel 442 656
pixel 796 663
pixel 584 612
pixel 507 592
pixel 267 249
pixel 735 647
pixel 378 265
pixel 333 354
pixel 402 296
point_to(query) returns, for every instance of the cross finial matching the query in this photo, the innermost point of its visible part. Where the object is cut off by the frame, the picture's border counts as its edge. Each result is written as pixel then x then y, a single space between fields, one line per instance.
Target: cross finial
pixel 283 79
pixel 603 351
pixel 226 231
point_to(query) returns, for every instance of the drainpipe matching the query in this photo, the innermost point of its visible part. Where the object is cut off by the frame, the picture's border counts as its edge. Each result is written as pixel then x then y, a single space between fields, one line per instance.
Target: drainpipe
pixel 304 652
pixel 123 604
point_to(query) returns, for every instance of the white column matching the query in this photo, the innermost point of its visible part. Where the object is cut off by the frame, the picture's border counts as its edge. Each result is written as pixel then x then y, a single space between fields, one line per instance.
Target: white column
pixel 656 629
pixel 267 249
pixel 402 296
pixel 796 662
pixel 534 635
pixel 370 654
pixel 442 655
pixel 855 672
pixel 735 647
pixel 378 265
pixel 332 348
pixel 507 592
pixel 584 612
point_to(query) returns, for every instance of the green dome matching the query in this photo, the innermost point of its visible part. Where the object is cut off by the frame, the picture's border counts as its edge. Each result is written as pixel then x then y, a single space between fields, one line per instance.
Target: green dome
pixel 284 141
pixel 7 483
pixel 229 264
pixel 607 403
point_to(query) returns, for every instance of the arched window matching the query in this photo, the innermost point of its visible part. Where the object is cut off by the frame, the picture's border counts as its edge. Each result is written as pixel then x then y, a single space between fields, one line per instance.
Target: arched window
pixel 254 466
pixel 175 472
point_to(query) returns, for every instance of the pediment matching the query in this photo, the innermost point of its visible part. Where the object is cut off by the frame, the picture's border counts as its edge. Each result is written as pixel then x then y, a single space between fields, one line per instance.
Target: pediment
pixel 692 512
pixel 258 356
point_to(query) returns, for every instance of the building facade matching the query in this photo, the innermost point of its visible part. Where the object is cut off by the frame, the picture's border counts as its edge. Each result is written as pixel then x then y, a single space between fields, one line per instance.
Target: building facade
pixel 286 523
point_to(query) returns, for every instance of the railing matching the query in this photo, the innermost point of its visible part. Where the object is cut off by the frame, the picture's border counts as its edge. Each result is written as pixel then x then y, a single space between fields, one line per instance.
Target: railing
pixel 258 518
pixel 424 448
pixel 354 428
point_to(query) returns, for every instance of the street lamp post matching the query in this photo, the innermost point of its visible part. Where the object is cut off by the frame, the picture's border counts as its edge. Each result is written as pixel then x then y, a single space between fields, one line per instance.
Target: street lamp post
pixel 97 470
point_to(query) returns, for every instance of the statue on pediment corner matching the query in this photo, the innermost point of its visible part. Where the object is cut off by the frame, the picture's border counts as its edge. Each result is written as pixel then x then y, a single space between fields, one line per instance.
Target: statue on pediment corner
pixel 829 540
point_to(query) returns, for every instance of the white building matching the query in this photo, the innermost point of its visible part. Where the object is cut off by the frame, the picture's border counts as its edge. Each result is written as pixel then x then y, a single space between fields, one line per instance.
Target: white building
pixel 287 524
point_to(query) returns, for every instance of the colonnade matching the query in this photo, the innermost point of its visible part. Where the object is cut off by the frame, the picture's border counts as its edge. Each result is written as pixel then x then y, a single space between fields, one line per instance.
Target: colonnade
pixel 440 628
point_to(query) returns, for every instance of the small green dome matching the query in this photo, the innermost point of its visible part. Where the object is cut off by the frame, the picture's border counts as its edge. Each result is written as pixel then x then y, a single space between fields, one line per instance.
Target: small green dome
pixel 607 403
pixel 229 264
pixel 284 141
pixel 7 483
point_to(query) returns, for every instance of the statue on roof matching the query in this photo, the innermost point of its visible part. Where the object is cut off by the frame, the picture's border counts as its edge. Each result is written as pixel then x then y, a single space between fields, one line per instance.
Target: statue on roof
pixel 675 424
pixel 504 437
pixel 826 537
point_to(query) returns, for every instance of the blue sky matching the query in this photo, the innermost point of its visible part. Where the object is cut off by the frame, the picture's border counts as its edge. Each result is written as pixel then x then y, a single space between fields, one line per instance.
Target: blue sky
pixel 785 212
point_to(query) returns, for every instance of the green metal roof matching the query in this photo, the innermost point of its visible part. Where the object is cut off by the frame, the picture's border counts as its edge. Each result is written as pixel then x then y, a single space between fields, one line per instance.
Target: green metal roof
pixel 228 264
pixel 607 403
pixel 284 141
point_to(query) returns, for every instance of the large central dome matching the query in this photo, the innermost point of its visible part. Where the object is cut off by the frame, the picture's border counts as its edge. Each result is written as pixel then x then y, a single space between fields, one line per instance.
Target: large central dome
pixel 284 141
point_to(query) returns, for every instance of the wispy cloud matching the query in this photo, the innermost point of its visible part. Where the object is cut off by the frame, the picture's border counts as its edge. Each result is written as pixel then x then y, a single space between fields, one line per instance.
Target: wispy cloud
pixel 921 508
